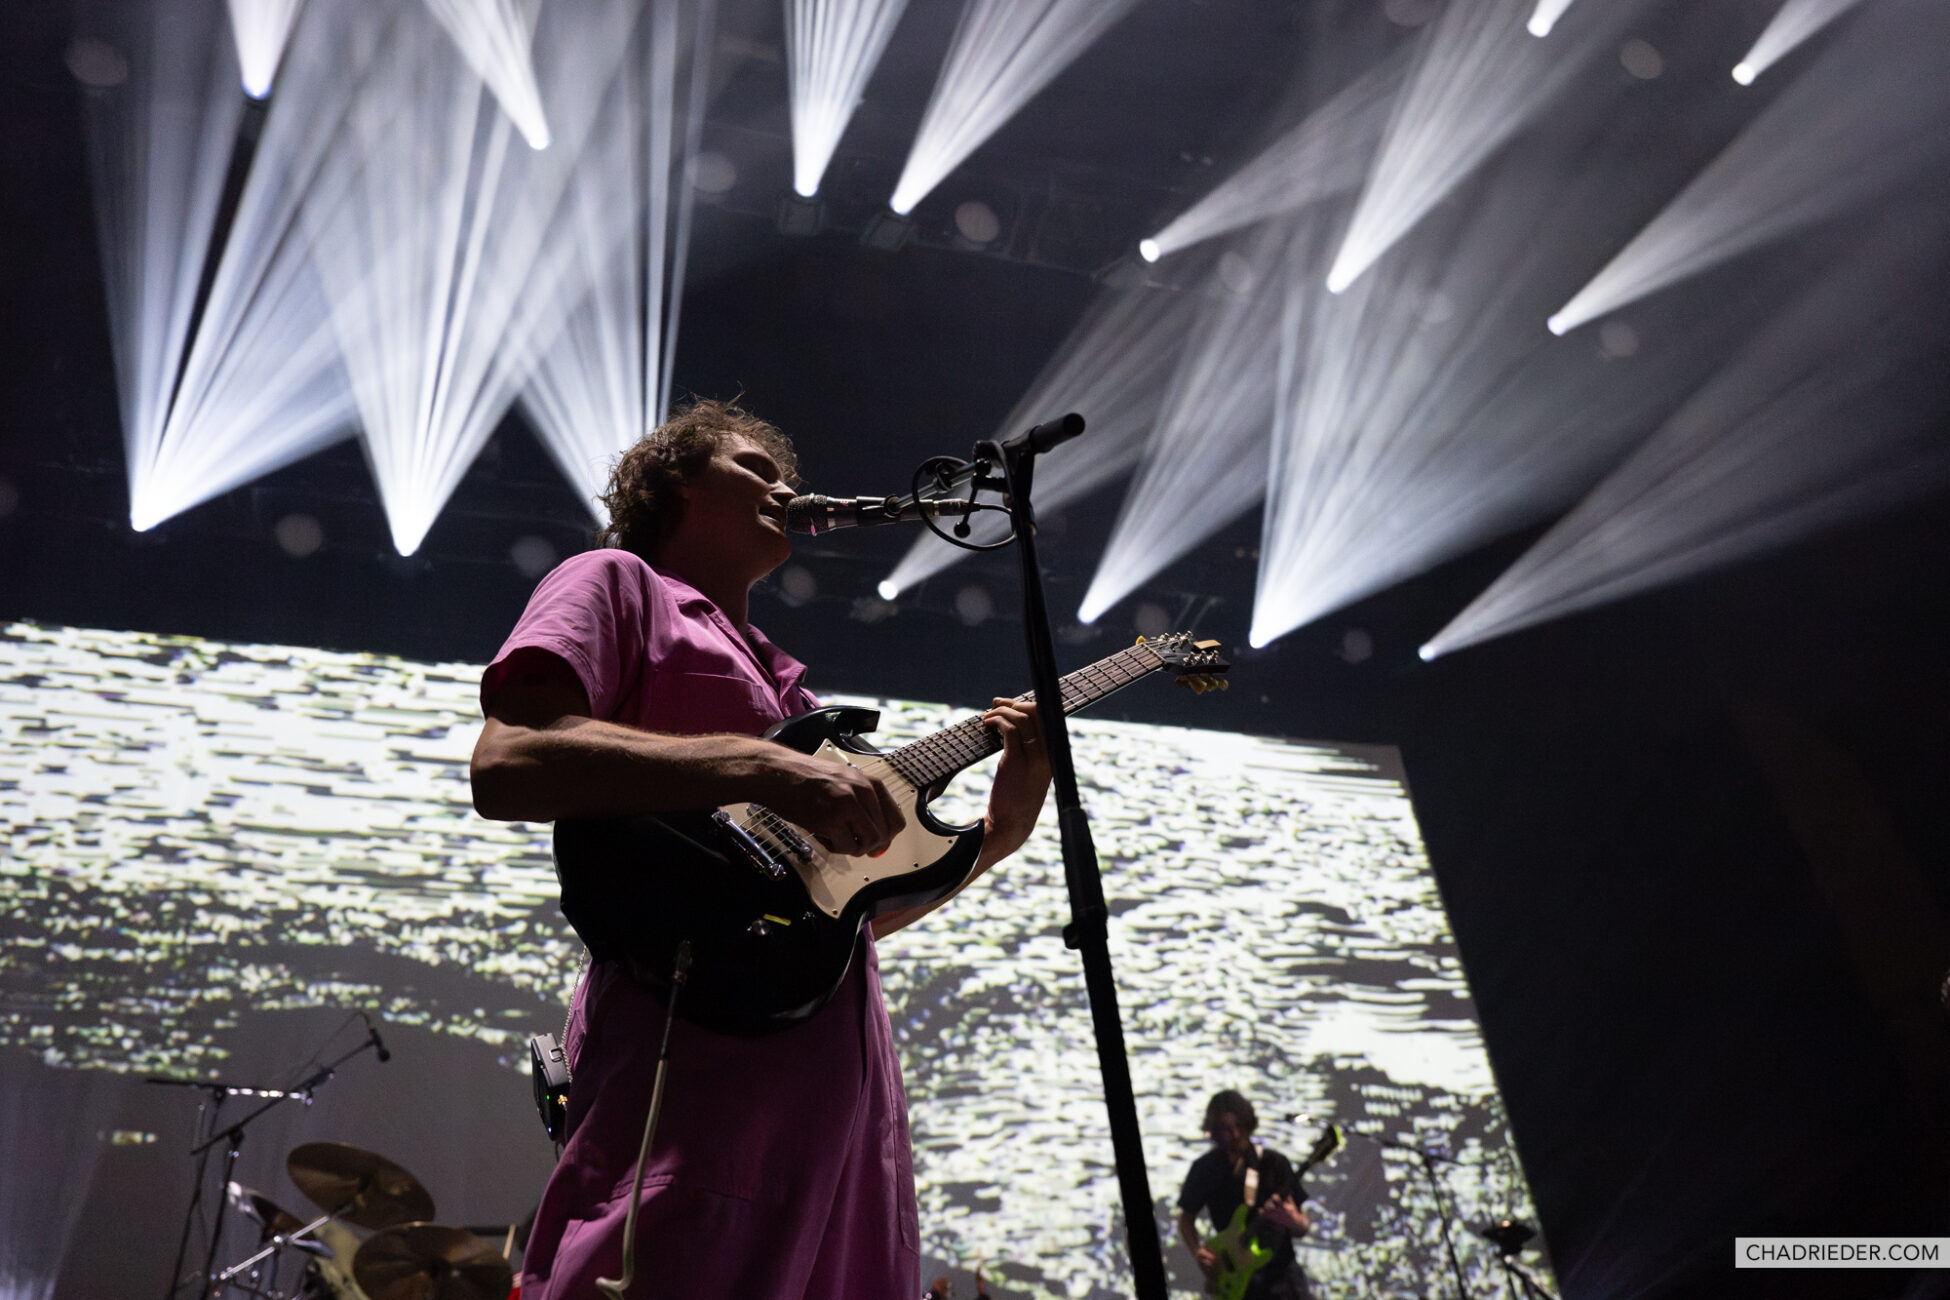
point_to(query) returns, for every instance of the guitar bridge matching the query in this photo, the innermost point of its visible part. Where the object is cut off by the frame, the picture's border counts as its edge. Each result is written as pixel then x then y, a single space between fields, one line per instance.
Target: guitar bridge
pixel 749 847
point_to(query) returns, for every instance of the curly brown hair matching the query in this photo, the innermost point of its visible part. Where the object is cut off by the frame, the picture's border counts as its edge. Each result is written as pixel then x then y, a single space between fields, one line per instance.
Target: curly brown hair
pixel 642 498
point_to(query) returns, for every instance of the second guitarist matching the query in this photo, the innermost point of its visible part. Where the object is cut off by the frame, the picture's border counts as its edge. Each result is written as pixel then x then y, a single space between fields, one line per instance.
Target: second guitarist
pixel 1241 1173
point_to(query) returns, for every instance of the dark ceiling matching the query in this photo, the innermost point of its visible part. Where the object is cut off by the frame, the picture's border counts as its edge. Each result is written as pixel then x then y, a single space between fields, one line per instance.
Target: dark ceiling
pixel 1694 845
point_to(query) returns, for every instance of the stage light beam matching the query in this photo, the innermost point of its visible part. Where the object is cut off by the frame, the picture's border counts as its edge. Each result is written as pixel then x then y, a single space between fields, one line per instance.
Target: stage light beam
pixel 1816 421
pixel 1477 81
pixel 1864 119
pixel 832 48
pixel 1112 368
pixel 159 146
pixel 1324 155
pixel 261 28
pixel 1205 462
pixel 1544 17
pixel 606 378
pixel 1795 22
pixel 1003 53
pixel 437 255
pixel 494 37
pixel 1423 413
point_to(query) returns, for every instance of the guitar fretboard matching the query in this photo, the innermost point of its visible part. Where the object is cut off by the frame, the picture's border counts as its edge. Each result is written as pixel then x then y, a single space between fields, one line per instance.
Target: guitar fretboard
pixel 946 752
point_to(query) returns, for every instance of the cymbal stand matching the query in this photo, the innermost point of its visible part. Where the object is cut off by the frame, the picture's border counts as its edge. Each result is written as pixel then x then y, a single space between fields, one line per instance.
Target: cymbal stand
pixel 277 1243
pixel 232 1136
pixel 1525 1278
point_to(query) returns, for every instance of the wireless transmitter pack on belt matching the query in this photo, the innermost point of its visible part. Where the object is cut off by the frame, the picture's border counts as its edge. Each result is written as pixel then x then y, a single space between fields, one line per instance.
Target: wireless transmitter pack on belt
pixel 551 1073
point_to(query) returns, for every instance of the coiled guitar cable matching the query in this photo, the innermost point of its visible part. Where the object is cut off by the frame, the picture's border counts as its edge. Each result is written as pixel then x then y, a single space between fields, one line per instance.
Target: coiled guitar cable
pixel 615 1287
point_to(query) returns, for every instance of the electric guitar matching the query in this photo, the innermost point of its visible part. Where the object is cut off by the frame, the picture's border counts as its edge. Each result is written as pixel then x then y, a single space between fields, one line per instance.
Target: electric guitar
pixel 770 914
pixel 1237 1245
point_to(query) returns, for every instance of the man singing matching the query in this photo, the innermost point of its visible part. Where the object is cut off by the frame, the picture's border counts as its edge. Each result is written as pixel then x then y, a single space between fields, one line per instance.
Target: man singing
pixel 635 683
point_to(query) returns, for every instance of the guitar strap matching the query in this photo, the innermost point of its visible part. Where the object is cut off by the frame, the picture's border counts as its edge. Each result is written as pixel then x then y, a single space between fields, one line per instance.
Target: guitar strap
pixel 1252 1179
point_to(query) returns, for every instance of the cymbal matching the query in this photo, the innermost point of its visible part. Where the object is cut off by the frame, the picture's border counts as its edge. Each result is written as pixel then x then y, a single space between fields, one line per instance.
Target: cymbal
pixel 273 1219
pixel 1507 1235
pixel 424 1261
pixel 357 1185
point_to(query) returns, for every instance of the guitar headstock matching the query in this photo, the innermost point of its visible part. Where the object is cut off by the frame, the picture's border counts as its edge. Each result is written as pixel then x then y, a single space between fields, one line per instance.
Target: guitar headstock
pixel 1196 664
pixel 1325 1145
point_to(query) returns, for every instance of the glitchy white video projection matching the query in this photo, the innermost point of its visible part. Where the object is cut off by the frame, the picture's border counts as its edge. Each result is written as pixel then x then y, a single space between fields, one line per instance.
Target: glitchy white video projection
pixel 200 831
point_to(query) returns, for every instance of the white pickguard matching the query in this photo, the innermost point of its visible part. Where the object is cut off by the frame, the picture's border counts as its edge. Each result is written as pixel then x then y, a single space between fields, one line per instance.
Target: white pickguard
pixel 832 879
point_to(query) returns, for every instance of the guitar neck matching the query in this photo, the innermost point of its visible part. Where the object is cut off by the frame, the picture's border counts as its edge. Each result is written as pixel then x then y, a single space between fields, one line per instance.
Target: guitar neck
pixel 937 757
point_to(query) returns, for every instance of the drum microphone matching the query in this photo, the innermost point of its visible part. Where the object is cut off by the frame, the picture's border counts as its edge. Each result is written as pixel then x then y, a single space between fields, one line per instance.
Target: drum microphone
pixel 824 514
pixel 372 1031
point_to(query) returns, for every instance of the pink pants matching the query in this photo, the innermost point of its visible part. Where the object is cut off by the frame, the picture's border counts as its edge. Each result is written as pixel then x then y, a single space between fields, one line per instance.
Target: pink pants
pixel 781 1167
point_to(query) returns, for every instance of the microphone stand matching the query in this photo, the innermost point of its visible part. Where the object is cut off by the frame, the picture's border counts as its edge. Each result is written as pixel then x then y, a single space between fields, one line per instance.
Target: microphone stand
pixel 1089 929
pixel 233 1136
pixel 1429 1160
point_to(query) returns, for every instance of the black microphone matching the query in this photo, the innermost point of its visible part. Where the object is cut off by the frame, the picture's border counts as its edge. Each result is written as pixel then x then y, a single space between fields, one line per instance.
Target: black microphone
pixel 373 1030
pixel 824 514
pixel 1049 434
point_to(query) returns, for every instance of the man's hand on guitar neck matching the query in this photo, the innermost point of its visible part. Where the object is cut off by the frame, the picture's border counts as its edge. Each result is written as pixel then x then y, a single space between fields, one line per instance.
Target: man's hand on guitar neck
pixel 1015 800
pixel 1021 778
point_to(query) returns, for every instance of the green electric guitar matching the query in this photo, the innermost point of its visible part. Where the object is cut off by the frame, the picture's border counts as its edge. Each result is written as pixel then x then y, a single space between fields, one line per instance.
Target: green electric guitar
pixel 1237 1245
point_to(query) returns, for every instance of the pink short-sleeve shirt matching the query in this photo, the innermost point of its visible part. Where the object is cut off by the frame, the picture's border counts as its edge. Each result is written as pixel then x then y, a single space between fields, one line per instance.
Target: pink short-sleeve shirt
pixel 781 1166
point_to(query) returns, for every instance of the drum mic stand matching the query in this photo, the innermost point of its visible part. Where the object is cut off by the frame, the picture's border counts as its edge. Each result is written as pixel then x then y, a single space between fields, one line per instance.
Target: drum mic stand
pixel 233 1136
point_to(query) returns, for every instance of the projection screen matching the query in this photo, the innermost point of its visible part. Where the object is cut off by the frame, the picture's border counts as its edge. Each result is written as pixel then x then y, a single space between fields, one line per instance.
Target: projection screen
pixel 217 855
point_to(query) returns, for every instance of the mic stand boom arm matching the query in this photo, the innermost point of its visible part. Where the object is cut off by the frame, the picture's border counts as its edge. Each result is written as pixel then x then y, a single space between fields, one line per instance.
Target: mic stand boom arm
pixel 1089 928
pixel 233 1136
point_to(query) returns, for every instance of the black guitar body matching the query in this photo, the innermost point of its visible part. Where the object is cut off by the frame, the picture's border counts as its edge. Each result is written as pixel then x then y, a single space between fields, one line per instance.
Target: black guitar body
pixel 766 952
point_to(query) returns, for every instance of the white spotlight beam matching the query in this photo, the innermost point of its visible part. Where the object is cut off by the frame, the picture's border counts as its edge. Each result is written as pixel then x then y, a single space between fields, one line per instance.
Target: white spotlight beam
pixel 1544 17
pixel 1793 23
pixel 435 255
pixel 1478 80
pixel 832 48
pixel 263 384
pixel 494 37
pixel 1866 117
pixel 1004 52
pixel 160 145
pixel 1809 426
pixel 605 379
pixel 1425 414
pixel 1205 464
pixel 1327 153
pixel 1113 370
pixel 261 28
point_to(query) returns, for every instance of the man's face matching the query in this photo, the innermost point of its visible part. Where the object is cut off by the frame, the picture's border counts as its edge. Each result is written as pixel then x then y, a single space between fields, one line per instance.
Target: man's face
pixel 1229 1136
pixel 737 502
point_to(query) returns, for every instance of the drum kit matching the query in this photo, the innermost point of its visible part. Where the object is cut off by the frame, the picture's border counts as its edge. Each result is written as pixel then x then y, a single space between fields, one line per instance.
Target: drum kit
pixel 406 1257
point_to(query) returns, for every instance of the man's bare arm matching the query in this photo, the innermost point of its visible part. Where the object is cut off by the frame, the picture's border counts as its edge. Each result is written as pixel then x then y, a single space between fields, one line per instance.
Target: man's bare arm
pixel 541 757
